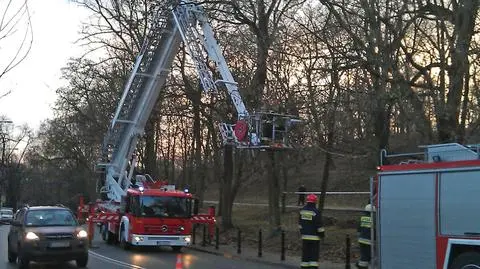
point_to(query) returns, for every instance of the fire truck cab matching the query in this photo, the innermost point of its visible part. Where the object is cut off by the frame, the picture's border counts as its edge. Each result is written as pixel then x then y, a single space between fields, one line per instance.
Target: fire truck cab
pixel 155 217
pixel 428 209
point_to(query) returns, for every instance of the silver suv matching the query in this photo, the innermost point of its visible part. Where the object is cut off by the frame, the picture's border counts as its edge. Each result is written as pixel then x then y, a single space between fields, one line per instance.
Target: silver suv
pixel 47 234
pixel 6 214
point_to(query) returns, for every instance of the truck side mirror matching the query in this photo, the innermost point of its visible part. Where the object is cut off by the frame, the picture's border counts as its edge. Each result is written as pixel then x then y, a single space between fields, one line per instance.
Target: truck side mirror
pixel 195 206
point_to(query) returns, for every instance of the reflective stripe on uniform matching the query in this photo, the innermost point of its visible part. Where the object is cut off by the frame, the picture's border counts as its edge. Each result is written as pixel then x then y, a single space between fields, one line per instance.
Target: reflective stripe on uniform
pixel 366 222
pixel 364 241
pixel 307 214
pixel 305 264
pixel 363 263
pixel 313 264
pixel 310 237
pixel 321 230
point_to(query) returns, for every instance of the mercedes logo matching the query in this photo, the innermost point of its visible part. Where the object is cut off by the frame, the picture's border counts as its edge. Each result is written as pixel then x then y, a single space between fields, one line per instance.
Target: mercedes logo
pixel 164 228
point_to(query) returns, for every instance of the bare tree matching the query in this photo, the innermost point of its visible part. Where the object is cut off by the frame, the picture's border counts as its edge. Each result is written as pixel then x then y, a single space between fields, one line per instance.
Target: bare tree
pixel 16 35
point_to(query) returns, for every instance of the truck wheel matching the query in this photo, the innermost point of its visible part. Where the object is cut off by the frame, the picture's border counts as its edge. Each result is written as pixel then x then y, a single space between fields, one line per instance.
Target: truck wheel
pixel 467 260
pixel 110 237
pixel 123 243
pixel 104 230
pixel 177 248
pixel 82 262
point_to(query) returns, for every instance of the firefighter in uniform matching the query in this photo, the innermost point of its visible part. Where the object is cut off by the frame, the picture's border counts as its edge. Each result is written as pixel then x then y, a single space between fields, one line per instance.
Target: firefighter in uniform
pixel 364 237
pixel 311 229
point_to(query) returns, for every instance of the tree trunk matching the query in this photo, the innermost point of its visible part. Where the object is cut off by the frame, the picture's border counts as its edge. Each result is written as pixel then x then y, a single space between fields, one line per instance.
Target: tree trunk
pixel 273 193
pixel 150 151
pixel 227 180
pixel 465 14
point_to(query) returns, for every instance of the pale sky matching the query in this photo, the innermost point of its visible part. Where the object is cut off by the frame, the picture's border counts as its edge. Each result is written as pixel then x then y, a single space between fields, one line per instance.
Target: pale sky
pixel 55 24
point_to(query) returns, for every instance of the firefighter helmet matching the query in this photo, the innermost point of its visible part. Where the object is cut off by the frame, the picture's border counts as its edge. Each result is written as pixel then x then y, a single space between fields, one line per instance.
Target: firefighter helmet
pixel 370 208
pixel 311 198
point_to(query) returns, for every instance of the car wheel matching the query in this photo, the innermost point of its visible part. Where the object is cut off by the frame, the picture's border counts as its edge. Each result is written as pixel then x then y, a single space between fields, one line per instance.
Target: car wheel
pixel 23 263
pixel 123 243
pixel 12 256
pixel 467 260
pixel 82 262
pixel 110 237
pixel 177 248
pixel 104 231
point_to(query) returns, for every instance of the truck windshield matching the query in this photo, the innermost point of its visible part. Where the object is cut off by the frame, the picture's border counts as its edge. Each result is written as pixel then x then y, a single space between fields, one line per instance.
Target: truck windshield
pixel 164 206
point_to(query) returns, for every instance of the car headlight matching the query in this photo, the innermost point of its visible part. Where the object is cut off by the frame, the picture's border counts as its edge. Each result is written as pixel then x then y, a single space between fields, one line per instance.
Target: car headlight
pixel 82 234
pixel 31 236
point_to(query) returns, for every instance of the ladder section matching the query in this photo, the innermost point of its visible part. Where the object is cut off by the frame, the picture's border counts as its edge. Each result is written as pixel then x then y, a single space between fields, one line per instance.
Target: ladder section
pixel 138 99
pixel 192 38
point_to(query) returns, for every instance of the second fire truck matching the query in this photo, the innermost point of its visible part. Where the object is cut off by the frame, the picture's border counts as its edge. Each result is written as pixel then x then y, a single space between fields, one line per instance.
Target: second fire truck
pixel 428 209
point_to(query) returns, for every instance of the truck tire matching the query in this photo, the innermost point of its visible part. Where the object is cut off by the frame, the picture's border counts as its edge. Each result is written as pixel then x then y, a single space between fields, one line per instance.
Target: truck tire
pixel 110 237
pixel 123 243
pixel 104 231
pixel 467 260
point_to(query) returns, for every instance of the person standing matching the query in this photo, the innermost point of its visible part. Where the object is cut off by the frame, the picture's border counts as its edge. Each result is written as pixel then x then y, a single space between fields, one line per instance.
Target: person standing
pixel 301 196
pixel 311 230
pixel 364 237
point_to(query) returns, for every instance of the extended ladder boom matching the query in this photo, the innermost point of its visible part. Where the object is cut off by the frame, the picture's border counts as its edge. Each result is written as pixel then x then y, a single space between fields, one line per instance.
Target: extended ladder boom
pixel 139 97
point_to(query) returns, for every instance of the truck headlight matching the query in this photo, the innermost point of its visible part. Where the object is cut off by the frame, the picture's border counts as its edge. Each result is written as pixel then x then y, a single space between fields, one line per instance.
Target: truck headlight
pixel 181 228
pixel 31 236
pixel 82 234
pixel 188 239
pixel 138 238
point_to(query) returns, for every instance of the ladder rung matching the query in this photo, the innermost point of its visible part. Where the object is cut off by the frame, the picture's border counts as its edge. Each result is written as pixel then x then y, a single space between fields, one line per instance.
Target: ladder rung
pixel 145 75
pixel 125 121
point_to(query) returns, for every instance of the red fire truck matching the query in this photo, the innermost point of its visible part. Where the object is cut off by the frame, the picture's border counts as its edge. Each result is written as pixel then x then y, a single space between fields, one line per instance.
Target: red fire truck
pixel 427 206
pixel 149 215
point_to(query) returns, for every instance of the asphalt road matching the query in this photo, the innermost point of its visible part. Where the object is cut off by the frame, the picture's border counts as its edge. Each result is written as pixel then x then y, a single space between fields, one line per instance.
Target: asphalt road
pixel 104 256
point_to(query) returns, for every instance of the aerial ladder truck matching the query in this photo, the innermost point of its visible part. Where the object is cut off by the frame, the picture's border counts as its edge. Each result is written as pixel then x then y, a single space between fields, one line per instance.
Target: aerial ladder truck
pixel 137 210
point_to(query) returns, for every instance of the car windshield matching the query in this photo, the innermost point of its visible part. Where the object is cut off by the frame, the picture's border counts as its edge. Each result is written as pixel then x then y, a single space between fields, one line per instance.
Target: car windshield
pixel 50 217
pixel 164 206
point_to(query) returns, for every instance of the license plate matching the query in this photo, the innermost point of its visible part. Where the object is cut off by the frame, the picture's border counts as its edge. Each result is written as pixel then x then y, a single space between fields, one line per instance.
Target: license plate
pixel 163 243
pixel 63 244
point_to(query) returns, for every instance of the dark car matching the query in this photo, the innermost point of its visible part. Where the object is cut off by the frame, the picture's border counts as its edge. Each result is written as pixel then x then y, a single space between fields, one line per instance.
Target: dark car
pixel 46 234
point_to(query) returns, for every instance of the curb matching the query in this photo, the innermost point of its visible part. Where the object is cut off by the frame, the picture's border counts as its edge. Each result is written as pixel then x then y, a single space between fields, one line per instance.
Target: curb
pixel 239 257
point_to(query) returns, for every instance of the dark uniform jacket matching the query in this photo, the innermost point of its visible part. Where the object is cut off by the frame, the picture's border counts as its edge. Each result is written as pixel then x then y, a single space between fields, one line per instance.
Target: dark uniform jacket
pixel 310 223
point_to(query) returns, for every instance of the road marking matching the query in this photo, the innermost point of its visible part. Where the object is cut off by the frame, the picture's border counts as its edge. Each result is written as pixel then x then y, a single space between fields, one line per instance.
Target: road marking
pixel 116 262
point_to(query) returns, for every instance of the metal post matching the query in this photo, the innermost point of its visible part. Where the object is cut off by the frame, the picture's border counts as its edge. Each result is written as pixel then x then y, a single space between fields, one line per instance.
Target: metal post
pixel 284 198
pixel 239 242
pixel 260 243
pixel 347 252
pixel 217 237
pixel 204 235
pixel 282 257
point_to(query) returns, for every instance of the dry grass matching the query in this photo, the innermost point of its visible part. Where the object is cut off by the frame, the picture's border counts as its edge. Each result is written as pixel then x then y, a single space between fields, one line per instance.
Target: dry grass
pixel 251 219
